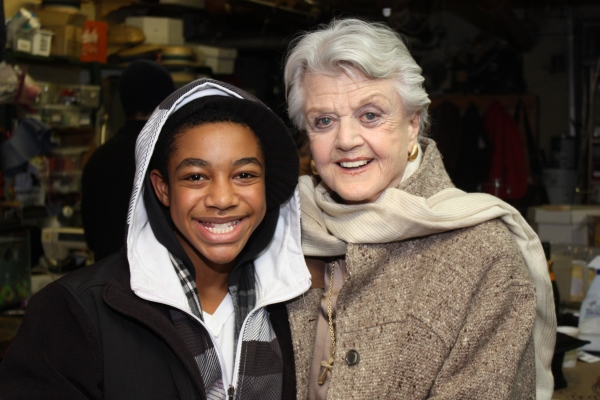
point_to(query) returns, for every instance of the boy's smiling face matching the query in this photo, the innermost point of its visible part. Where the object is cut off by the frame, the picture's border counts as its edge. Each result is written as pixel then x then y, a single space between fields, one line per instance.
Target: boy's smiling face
pixel 215 190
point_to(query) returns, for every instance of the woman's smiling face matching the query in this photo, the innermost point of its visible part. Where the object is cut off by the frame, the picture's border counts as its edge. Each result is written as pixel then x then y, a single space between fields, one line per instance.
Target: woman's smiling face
pixel 215 191
pixel 359 135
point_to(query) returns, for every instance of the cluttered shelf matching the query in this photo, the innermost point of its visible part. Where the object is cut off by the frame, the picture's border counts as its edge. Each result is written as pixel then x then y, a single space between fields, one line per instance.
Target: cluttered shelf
pixel 12 56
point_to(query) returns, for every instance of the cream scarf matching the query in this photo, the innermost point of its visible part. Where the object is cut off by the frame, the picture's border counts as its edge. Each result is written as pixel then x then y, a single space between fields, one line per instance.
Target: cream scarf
pixel 396 215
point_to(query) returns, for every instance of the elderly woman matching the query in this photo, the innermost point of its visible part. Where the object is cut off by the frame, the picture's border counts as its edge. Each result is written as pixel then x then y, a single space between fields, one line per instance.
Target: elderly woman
pixel 419 290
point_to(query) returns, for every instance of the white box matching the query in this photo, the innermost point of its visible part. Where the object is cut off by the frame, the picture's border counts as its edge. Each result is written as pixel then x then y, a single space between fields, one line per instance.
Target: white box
pixel 42 42
pixel 37 42
pixel 23 43
pixel 555 233
pixel 220 59
pixel 562 224
pixel 159 30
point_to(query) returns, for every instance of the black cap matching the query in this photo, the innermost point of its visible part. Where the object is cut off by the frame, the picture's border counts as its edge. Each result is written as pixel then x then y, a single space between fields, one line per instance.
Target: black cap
pixel 143 85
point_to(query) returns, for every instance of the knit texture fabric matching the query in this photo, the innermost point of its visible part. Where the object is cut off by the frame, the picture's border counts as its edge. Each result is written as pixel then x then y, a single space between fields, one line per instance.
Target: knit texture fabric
pixel 426 204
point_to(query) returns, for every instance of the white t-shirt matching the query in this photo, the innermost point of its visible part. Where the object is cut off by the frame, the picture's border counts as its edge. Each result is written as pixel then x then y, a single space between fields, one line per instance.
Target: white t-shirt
pixel 221 325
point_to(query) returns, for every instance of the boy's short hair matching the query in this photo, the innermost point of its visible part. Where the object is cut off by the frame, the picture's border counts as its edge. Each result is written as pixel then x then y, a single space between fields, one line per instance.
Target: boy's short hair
pixel 165 145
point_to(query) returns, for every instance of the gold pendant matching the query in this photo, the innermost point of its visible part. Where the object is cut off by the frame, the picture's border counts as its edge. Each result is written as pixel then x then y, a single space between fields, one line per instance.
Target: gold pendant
pixel 328 367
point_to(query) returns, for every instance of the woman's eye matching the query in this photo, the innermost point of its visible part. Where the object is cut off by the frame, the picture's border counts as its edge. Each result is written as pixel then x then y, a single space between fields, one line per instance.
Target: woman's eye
pixel 322 122
pixel 370 116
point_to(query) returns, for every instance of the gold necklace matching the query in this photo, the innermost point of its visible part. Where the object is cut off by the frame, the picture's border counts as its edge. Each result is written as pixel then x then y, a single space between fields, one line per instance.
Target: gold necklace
pixel 328 365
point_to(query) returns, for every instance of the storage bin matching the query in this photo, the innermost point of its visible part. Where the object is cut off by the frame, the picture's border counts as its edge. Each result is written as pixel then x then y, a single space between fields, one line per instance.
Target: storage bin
pixel 65 182
pixel 80 95
pixel 48 93
pixel 60 116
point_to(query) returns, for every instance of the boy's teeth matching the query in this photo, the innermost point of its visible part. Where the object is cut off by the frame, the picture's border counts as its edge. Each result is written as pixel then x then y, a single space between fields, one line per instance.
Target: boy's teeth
pixel 220 228
pixel 354 164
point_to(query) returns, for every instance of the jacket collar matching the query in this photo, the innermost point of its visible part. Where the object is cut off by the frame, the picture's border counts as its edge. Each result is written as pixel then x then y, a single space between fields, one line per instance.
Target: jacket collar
pixel 431 176
pixel 119 296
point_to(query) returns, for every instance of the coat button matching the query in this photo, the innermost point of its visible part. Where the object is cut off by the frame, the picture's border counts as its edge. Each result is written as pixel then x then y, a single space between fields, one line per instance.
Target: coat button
pixel 352 357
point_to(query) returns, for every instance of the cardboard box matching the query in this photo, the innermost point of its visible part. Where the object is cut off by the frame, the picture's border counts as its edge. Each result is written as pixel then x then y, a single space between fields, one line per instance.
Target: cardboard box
pixel 159 30
pixel 94 41
pixel 42 43
pixel 221 60
pixel 567 224
pixel 37 42
pixel 67 28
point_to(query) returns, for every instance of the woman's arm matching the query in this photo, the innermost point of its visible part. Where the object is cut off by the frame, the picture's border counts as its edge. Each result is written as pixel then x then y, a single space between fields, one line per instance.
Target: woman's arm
pixel 493 356
pixel 56 353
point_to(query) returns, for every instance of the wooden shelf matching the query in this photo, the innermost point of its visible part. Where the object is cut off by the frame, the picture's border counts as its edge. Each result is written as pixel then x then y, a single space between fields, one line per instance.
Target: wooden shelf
pixel 11 56
pixel 10 204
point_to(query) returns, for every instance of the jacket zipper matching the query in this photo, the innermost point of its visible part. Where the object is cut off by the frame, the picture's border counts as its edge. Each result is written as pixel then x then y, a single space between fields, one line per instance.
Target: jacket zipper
pixel 231 387
pixel 236 360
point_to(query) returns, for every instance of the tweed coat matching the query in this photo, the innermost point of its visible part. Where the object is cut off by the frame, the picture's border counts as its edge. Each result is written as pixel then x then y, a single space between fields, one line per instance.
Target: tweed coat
pixel 446 316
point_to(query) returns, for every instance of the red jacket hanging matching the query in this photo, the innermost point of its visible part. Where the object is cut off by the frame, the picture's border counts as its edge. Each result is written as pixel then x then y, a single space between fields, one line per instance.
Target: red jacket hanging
pixel 508 171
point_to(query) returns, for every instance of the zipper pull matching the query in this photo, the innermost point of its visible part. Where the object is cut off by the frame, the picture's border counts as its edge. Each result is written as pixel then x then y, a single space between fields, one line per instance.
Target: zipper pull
pixel 230 392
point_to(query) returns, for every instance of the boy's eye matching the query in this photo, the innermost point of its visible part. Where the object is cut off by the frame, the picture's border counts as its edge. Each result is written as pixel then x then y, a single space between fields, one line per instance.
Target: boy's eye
pixel 245 175
pixel 195 177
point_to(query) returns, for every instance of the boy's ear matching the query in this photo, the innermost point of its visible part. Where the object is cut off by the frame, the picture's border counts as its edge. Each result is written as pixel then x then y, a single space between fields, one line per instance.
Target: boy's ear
pixel 161 188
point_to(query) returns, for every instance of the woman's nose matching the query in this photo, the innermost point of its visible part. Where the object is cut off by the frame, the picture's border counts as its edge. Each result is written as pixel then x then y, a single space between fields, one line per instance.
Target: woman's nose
pixel 222 194
pixel 349 135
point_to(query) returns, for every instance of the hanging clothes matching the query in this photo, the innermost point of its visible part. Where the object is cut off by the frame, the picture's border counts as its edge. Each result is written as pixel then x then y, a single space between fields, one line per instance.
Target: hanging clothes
pixel 473 164
pixel 446 132
pixel 537 191
pixel 508 172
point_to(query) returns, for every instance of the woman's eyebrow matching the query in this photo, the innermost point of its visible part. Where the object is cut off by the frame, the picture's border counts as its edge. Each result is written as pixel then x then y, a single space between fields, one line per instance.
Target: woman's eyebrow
pixel 371 100
pixel 193 162
pixel 247 160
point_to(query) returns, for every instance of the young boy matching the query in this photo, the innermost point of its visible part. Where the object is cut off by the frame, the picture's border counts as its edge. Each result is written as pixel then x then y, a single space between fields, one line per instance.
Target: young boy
pixel 191 307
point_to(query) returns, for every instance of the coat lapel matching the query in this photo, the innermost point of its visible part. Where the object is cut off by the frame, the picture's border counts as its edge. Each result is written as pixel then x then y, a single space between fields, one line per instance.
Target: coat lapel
pixel 303 313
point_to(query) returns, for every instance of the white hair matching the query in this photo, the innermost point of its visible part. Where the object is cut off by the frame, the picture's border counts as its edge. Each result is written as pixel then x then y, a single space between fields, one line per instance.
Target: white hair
pixel 349 45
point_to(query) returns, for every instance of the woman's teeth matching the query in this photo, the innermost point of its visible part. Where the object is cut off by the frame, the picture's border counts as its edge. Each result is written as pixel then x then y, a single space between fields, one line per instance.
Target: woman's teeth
pixel 354 164
pixel 220 228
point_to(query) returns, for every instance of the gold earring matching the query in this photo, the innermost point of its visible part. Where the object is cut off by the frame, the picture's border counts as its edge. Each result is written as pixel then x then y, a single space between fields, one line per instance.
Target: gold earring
pixel 313 167
pixel 414 153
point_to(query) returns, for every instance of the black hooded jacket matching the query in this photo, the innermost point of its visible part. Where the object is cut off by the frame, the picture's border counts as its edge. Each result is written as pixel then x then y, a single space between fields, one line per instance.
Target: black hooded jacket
pixel 88 336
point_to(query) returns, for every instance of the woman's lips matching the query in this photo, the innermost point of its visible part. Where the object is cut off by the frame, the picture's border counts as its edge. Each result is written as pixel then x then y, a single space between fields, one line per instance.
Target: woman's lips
pixel 353 164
